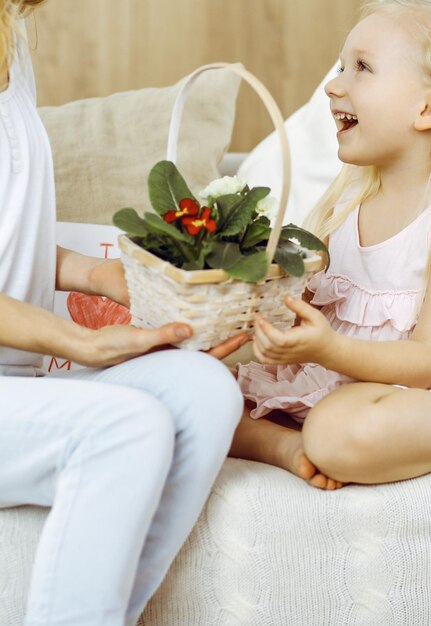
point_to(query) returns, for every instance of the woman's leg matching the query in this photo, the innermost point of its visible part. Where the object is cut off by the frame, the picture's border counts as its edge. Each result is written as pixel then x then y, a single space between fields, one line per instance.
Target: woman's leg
pixel 204 399
pixel 370 433
pixel 101 458
pixel 274 443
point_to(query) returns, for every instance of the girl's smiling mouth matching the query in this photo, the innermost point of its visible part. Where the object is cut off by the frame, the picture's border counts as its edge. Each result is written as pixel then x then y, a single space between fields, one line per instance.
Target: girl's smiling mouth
pixel 344 121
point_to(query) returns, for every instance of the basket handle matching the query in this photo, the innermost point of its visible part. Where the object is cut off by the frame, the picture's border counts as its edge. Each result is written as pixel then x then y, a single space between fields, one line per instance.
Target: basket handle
pixel 277 120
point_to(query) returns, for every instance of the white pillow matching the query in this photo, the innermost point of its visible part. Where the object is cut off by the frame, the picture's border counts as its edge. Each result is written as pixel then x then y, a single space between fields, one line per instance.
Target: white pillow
pixel 313 150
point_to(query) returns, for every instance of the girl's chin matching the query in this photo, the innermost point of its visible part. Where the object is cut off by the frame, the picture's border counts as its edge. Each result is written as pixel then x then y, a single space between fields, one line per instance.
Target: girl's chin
pixel 351 159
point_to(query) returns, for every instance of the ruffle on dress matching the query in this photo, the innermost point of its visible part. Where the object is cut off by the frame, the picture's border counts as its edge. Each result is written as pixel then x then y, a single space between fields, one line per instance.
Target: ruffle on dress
pixel 361 307
pixel 351 310
pixel 292 388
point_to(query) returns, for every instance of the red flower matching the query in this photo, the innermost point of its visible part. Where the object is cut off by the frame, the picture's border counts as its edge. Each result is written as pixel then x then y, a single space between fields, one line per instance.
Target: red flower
pixel 187 207
pixel 194 225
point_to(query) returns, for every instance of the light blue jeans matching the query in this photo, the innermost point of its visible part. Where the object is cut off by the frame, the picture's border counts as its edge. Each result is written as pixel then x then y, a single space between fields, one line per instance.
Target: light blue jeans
pixel 126 457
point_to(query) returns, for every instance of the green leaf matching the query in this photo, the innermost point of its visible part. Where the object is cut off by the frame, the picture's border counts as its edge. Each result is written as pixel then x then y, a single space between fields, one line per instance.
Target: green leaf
pixel 166 187
pixel 196 264
pixel 291 262
pixel 129 221
pixel 241 214
pixel 222 255
pixel 225 205
pixel 251 268
pixel 156 224
pixel 256 232
pixel 305 238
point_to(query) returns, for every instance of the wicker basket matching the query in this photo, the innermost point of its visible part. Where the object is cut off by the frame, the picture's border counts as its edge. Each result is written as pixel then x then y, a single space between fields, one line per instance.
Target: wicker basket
pixel 215 305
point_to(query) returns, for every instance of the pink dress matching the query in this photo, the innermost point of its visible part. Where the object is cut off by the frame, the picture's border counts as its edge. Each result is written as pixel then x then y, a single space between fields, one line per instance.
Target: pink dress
pixel 371 293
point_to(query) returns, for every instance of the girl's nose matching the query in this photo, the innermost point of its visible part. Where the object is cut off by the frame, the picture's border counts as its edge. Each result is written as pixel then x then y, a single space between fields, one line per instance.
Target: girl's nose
pixel 335 86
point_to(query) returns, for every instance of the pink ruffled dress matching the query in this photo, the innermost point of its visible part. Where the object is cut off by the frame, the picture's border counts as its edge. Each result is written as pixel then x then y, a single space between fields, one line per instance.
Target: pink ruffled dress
pixel 371 293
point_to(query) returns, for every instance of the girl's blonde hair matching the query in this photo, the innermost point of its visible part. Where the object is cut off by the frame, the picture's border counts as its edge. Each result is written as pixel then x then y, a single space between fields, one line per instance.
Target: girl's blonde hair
pixel 10 12
pixel 365 181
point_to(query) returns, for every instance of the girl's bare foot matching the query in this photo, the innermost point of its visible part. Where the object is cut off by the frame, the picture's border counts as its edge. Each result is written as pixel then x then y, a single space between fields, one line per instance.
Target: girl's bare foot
pixel 324 482
pixel 292 458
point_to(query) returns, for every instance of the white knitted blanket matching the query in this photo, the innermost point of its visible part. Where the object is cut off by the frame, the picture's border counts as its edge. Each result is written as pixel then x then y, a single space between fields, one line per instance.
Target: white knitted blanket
pixel 269 550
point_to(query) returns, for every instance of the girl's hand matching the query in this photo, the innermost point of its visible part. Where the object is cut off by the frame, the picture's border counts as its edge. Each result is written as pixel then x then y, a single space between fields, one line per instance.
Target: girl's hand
pixel 308 342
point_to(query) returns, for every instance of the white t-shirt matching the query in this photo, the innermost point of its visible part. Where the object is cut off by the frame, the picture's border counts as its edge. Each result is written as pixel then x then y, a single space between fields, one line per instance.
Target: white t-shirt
pixel 27 206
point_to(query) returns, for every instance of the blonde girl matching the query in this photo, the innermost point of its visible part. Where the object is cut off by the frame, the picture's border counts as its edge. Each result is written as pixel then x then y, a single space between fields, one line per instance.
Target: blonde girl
pixel 356 370
pixel 121 450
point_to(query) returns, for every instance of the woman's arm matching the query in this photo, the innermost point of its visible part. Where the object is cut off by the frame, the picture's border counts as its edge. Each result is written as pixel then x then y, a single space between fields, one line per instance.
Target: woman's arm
pixel 26 327
pixel 105 277
pixel 314 341
pixel 90 275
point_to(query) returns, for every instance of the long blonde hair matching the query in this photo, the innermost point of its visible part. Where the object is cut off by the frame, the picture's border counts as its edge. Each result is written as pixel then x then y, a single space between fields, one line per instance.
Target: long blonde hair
pixel 10 12
pixel 366 180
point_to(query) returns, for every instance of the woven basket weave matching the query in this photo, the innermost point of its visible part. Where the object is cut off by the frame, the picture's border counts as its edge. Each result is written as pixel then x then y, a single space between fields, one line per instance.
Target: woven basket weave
pixel 215 305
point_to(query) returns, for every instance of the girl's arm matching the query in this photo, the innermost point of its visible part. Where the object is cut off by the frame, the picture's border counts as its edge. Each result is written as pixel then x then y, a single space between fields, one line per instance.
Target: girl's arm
pixel 314 341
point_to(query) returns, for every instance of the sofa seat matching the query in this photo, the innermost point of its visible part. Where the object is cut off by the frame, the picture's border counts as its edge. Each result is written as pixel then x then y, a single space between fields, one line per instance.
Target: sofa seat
pixel 269 550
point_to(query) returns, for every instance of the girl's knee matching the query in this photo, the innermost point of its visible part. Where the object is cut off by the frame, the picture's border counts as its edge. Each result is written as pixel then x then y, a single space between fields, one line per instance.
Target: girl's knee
pixel 339 439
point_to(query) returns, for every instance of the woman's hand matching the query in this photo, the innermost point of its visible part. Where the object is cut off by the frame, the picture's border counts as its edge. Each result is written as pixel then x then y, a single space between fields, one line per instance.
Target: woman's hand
pixel 106 278
pixel 91 275
pixel 111 345
pixel 222 350
pixel 308 342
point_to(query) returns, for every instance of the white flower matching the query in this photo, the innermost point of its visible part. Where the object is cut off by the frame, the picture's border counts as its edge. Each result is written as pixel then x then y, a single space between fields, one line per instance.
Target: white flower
pixel 223 186
pixel 268 207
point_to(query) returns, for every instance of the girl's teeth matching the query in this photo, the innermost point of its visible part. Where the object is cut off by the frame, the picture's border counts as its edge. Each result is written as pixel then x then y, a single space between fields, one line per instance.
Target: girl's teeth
pixel 346 116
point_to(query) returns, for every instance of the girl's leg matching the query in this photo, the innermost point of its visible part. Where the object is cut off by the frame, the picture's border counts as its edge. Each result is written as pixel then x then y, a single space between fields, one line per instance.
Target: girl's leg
pixel 101 458
pixel 269 442
pixel 206 404
pixel 370 433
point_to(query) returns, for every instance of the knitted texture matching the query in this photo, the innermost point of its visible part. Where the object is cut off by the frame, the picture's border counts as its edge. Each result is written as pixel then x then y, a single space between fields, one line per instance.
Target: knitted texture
pixel 268 550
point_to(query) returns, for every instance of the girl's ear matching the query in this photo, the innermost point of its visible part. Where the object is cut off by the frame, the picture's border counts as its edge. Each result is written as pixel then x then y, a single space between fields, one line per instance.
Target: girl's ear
pixel 423 120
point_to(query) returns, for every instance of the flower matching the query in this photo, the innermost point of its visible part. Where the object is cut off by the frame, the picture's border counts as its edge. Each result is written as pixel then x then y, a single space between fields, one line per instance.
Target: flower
pixel 188 206
pixel 267 207
pixel 194 225
pixel 223 186
pixel 230 232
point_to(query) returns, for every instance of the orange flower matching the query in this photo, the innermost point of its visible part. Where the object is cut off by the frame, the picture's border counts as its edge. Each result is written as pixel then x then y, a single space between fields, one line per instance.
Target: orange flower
pixel 194 225
pixel 187 207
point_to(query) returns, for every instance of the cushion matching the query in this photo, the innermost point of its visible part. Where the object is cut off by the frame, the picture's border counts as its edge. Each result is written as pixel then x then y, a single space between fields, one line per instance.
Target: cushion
pixel 314 162
pixel 104 148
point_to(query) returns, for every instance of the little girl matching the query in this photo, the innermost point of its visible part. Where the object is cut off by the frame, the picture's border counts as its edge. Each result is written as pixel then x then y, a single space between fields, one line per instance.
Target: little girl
pixel 125 455
pixel 356 370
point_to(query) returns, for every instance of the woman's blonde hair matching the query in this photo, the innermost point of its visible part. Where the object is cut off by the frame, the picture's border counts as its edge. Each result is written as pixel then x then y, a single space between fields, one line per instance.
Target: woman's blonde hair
pixel 10 12
pixel 365 181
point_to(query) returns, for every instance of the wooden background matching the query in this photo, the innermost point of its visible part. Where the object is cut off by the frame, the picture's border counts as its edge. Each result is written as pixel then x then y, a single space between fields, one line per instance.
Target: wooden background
pixel 88 48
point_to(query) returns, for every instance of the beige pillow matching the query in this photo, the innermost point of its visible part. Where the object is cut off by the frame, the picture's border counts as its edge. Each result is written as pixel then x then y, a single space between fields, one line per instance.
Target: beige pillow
pixel 104 148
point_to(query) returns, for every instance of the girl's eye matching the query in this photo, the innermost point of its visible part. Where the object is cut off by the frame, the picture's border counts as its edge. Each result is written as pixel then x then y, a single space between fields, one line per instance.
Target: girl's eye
pixel 360 65
pixel 340 69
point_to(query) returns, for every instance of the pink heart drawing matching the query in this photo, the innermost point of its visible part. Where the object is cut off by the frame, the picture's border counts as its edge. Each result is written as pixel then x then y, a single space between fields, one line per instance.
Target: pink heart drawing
pixel 96 311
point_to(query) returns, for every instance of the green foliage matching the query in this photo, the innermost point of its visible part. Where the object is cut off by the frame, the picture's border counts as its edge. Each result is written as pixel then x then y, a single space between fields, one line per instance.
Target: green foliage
pixel 291 261
pixel 166 187
pixel 232 238
pixel 129 220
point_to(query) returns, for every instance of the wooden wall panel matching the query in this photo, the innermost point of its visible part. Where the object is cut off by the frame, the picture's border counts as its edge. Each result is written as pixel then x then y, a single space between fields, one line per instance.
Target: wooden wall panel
pixel 96 47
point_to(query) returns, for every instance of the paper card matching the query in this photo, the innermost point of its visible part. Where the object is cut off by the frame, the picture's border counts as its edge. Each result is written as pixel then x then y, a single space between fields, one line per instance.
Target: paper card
pixel 97 240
